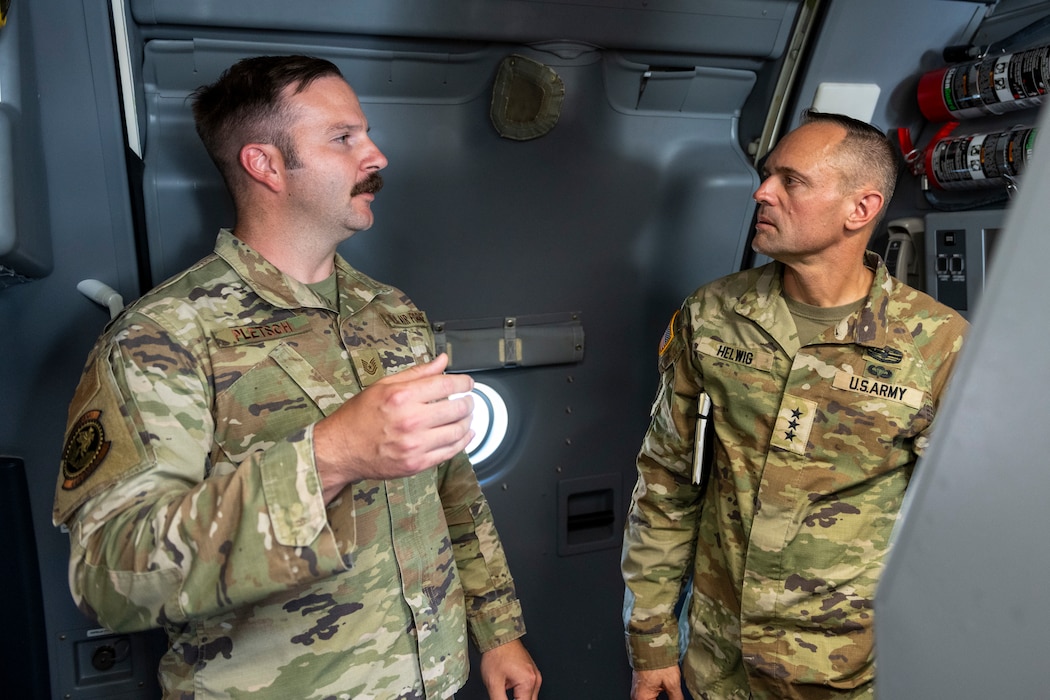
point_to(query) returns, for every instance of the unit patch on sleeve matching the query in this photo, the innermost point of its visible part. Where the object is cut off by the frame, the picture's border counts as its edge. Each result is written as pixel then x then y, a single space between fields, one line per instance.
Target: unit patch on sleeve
pixel 85 449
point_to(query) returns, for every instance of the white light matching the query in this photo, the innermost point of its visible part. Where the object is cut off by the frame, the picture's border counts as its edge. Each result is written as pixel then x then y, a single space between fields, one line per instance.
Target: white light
pixel 489 423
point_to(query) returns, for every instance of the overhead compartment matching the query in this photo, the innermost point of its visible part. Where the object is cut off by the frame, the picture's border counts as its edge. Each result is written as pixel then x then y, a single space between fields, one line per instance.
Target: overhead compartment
pixel 758 28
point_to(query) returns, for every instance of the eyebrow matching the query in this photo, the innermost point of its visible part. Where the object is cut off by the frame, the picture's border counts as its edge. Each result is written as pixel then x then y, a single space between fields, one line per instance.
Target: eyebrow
pixel 344 126
pixel 784 170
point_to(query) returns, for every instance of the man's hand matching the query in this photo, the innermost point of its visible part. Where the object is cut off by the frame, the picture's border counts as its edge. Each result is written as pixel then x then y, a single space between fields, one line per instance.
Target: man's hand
pixel 399 426
pixel 510 667
pixel 647 685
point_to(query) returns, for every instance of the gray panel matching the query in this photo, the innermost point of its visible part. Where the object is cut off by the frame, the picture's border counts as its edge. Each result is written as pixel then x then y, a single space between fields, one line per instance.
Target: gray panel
pixel 961 609
pixel 644 191
pixel 48 326
pixel 888 43
pixel 715 27
pixel 25 240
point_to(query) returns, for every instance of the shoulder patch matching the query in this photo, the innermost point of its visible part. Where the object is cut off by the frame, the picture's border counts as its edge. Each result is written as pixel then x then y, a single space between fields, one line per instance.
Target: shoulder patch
pixel 84 451
pixel 665 341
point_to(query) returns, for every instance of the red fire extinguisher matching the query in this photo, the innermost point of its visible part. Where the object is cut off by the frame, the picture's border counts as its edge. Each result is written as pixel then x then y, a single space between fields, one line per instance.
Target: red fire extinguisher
pixel 990 85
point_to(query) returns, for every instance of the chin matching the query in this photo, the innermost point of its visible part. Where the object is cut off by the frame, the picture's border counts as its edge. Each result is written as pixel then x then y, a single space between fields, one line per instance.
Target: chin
pixel 758 245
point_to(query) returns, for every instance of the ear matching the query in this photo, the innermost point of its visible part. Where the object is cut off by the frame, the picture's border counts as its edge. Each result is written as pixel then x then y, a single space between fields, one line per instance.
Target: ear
pixel 866 206
pixel 263 163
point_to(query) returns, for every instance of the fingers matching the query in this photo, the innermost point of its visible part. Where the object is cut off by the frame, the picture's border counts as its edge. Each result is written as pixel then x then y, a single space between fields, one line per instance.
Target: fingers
pixel 428 382
pixel 510 667
pixel 647 685
pixel 429 369
pixel 399 426
pixel 446 442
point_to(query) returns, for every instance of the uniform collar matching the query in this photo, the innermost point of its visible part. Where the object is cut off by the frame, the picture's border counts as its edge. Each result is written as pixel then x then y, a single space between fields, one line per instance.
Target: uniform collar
pixel 355 289
pixel 764 304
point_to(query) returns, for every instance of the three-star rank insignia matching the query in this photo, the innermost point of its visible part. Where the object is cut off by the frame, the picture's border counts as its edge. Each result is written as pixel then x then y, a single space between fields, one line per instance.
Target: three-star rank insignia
pixel 85 449
pixel 794 423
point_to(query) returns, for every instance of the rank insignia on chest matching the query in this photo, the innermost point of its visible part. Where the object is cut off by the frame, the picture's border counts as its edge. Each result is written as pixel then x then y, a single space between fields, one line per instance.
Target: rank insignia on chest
pixel 794 423
pixel 367 366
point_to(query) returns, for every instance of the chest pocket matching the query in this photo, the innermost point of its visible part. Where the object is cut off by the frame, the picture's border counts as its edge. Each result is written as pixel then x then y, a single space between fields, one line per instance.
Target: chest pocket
pixel 309 379
pixel 282 393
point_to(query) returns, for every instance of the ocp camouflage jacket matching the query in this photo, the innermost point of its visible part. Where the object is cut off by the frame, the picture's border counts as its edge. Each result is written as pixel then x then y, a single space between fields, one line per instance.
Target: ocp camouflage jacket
pixel 189 487
pixel 813 450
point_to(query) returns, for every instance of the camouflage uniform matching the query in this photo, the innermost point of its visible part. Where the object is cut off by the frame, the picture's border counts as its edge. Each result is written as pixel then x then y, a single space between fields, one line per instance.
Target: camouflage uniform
pixel 189 487
pixel 813 450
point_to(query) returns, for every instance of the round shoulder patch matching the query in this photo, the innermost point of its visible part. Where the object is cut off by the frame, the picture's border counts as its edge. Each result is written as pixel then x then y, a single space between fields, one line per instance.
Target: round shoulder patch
pixel 85 449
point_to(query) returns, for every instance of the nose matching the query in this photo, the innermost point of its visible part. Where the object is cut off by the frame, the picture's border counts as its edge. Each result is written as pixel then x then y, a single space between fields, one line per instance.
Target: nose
pixel 375 160
pixel 764 195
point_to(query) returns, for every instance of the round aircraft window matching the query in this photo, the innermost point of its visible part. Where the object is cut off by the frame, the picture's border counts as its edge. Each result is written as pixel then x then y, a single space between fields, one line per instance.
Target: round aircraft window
pixel 489 423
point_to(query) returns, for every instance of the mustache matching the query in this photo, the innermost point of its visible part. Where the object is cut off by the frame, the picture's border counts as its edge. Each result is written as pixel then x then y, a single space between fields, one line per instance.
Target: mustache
pixel 370 185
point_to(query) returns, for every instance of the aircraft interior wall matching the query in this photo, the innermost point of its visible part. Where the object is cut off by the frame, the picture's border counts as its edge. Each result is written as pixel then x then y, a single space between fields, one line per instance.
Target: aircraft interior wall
pixel 589 236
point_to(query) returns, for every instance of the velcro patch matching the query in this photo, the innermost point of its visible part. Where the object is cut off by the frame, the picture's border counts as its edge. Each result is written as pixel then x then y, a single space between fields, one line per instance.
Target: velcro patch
pixel 794 423
pixel 262 332
pixel 367 365
pixel 84 451
pixel 406 319
pixel 759 359
pixel 665 341
pixel 879 390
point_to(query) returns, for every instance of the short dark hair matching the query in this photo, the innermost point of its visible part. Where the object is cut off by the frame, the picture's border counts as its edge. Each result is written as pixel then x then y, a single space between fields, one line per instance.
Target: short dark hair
pixel 246 105
pixel 870 157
